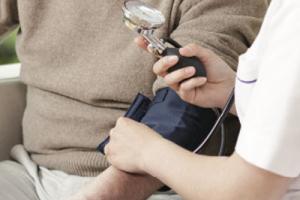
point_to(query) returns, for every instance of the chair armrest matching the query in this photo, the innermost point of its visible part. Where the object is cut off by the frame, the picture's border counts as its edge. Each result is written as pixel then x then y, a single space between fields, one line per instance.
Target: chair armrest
pixel 12 105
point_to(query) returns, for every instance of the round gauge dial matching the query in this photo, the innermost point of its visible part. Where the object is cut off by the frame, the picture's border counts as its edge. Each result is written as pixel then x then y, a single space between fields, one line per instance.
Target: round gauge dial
pixel 143 15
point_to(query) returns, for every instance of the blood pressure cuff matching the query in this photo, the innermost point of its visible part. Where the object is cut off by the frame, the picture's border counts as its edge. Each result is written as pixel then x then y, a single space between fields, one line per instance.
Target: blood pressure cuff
pixel 180 122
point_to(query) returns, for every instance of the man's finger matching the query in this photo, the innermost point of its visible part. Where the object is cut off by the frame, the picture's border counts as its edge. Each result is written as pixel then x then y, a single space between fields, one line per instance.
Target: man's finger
pixel 161 67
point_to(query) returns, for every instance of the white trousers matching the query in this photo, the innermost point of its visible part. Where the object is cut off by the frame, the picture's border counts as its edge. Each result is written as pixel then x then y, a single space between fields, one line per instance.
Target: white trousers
pixel 22 179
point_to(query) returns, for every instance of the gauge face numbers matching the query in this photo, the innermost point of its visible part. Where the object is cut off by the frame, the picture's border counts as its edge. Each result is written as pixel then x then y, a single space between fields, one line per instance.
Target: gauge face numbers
pixel 148 14
pixel 144 13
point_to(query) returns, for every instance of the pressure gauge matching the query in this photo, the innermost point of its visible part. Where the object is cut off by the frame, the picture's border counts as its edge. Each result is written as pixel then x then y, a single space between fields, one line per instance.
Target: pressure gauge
pixel 142 15
pixel 145 19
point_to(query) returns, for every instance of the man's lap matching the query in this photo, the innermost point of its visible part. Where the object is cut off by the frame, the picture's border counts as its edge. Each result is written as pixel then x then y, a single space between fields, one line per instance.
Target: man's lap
pixel 15 183
pixel 23 179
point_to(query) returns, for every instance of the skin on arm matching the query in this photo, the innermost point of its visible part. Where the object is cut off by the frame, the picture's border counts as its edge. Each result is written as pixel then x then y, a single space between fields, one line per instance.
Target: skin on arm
pixel 200 177
pixel 192 176
pixel 116 184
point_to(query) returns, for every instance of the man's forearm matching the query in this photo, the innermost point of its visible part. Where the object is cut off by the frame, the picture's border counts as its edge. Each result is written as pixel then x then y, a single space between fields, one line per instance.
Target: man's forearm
pixel 114 184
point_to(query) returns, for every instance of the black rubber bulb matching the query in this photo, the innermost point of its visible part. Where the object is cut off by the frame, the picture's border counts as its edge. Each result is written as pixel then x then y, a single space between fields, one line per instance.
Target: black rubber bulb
pixel 185 62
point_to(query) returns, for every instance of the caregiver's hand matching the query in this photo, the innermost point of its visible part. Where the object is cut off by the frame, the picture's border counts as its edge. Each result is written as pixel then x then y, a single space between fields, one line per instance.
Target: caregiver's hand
pixel 129 141
pixel 212 91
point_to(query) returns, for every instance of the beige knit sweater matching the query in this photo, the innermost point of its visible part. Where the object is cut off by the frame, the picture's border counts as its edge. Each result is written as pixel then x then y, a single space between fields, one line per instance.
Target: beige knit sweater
pixel 83 70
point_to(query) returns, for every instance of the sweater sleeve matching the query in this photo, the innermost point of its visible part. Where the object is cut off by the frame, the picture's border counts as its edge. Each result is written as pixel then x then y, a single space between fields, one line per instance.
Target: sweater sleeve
pixel 228 27
pixel 8 17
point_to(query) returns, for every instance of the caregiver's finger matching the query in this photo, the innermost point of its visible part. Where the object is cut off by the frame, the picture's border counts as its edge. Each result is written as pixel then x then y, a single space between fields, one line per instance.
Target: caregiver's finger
pixel 161 67
pixel 193 83
pixel 141 42
pixel 180 75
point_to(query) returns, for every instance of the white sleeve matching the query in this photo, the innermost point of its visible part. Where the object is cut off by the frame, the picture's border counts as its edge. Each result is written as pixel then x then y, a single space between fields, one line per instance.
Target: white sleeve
pixel 270 133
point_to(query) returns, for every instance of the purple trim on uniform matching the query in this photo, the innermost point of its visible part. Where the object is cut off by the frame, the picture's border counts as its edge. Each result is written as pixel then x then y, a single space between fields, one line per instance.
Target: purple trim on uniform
pixel 247 82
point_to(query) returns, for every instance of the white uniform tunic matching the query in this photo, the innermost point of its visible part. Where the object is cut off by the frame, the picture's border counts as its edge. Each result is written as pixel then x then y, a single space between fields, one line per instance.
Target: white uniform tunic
pixel 268 95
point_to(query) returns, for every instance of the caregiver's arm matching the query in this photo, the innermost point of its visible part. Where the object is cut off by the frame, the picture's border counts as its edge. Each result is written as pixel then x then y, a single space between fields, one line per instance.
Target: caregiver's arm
pixel 136 148
pixel 200 177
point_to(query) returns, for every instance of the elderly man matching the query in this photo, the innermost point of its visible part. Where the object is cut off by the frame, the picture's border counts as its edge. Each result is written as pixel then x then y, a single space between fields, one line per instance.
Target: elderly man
pixel 82 71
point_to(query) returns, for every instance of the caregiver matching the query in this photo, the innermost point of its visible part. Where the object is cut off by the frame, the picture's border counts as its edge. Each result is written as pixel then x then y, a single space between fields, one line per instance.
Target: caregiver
pixel 266 163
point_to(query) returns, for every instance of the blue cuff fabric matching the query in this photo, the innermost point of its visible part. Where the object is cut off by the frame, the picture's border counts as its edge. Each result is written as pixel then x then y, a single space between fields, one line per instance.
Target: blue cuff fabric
pixel 180 122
